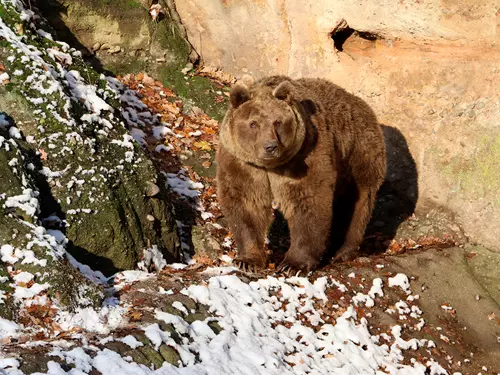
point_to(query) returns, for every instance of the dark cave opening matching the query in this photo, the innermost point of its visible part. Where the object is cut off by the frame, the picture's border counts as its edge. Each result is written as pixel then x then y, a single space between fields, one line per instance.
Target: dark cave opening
pixel 341 34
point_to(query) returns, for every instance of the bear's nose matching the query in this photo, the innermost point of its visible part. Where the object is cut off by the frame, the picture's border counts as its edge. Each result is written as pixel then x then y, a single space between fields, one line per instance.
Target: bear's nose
pixel 271 147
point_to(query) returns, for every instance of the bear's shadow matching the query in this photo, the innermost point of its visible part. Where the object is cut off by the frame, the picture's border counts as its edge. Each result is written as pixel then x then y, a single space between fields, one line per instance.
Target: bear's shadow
pixel 396 201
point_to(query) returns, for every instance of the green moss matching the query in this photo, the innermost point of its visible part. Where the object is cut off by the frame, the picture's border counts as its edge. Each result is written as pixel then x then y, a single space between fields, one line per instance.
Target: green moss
pixel 113 8
pixel 7 307
pixel 123 65
pixel 479 176
pixel 170 355
pixel 133 4
pixel 200 90
pixel 154 357
pixel 215 327
pixel 66 284
pixel 167 34
pixel 8 14
pixel 195 316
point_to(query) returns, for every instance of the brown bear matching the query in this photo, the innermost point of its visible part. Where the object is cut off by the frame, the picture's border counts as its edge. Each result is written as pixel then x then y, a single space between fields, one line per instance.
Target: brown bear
pixel 287 142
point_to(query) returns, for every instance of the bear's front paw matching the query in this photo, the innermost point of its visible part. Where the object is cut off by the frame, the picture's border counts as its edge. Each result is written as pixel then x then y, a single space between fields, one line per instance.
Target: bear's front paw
pixel 297 265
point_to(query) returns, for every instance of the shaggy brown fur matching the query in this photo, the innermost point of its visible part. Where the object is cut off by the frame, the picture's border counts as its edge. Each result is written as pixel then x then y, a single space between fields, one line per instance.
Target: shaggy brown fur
pixel 288 142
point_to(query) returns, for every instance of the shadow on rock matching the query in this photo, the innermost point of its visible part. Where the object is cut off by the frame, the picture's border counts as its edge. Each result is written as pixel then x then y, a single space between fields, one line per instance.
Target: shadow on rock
pixel 52 11
pixel 398 195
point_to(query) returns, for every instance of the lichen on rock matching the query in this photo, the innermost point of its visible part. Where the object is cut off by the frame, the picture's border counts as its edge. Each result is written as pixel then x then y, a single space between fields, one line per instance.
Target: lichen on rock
pixel 34 263
pixel 88 165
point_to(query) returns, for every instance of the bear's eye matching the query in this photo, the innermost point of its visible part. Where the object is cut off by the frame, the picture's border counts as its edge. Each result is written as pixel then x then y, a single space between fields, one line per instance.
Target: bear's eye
pixel 253 124
pixel 277 123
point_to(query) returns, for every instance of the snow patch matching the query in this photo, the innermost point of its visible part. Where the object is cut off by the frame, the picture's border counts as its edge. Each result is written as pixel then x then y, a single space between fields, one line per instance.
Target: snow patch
pixel 400 280
pixel 8 329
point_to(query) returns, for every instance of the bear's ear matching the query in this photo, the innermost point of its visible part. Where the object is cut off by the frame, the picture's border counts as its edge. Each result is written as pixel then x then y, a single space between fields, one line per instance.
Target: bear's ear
pixel 239 94
pixel 285 91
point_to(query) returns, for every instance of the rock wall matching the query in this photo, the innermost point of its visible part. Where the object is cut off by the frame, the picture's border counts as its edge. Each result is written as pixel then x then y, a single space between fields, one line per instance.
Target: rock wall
pixel 120 36
pixel 430 68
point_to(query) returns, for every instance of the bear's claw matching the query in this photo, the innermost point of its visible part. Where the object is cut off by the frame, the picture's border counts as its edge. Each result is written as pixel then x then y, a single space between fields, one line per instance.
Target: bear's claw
pixel 290 271
pixel 246 266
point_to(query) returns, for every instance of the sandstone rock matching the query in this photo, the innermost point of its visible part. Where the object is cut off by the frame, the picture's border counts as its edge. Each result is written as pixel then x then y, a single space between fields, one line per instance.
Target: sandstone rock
pixel 115 49
pixel 96 46
pixel 128 26
pixel 402 59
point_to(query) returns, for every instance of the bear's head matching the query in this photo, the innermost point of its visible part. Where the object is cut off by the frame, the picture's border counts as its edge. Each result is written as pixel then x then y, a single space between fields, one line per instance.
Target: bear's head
pixel 263 126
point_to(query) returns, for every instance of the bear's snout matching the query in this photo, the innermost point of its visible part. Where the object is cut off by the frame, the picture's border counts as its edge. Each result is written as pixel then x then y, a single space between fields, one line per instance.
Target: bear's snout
pixel 271 148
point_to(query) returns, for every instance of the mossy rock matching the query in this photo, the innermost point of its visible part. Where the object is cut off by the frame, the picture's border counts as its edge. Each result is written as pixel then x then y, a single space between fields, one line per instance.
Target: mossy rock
pixel 34 363
pixel 123 23
pixel 127 23
pixel 199 91
pixel 168 300
pixel 153 356
pixel 196 316
pixel 118 347
pixel 215 327
pixel 171 330
pixel 7 307
pixel 141 337
pixel 19 229
pixel 88 171
pixel 170 355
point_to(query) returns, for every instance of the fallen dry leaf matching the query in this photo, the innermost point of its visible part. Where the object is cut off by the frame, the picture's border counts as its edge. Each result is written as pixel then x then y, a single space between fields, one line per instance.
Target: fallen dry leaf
pixel 202 145
pixel 19 28
pixel 43 154
pixel 135 316
pixel 470 255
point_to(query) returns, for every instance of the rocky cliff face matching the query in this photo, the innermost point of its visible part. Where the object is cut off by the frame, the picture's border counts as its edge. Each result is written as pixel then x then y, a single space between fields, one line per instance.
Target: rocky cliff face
pixel 429 68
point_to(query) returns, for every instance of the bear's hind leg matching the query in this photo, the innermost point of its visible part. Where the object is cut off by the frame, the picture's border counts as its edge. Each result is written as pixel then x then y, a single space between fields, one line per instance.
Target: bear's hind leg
pixel 361 215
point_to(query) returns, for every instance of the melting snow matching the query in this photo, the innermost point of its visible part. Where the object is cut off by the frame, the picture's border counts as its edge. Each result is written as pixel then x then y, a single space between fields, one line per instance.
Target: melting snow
pixel 400 280
pixel 152 256
pixel 8 329
pixel 131 341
